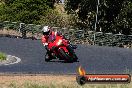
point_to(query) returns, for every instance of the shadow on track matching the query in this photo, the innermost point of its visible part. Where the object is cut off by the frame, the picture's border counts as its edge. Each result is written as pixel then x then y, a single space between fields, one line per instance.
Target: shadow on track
pixel 60 61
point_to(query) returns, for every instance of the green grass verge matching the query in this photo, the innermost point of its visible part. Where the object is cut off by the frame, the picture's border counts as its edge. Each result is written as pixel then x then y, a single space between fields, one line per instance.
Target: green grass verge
pixel 2 56
pixel 33 85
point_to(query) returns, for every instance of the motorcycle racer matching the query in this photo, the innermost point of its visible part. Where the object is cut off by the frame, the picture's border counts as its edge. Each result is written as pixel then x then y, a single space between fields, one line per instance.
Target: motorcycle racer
pixel 49 36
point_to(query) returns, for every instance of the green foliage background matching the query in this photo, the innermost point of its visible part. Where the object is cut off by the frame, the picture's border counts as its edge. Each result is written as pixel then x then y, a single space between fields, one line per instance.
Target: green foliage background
pixel 32 12
pixel 114 15
pixel 27 11
pixel 2 56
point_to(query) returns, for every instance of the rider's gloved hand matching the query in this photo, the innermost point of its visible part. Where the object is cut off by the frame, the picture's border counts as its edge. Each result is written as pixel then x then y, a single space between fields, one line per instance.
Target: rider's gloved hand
pixel 45 44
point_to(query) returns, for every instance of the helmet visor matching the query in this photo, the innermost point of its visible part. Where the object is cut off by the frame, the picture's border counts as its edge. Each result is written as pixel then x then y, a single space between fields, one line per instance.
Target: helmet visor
pixel 46 33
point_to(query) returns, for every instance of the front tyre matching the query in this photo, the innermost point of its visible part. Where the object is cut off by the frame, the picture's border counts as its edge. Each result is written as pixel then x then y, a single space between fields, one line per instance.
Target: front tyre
pixel 65 56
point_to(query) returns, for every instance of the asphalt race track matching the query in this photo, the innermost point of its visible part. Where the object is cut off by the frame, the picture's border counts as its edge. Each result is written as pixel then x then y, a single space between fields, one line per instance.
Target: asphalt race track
pixel 94 59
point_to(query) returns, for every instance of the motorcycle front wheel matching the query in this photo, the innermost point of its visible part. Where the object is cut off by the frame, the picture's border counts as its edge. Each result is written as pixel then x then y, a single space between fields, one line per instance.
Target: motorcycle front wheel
pixel 65 56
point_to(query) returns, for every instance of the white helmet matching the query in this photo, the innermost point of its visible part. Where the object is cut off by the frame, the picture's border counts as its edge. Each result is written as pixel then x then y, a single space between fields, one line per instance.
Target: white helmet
pixel 46 30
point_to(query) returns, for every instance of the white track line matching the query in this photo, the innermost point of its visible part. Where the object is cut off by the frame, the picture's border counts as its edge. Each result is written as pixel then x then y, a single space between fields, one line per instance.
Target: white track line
pixel 17 60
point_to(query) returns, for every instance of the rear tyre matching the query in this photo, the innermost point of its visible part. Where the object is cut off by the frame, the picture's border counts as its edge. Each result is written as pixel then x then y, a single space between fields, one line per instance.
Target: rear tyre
pixel 72 53
pixel 65 56
pixel 75 58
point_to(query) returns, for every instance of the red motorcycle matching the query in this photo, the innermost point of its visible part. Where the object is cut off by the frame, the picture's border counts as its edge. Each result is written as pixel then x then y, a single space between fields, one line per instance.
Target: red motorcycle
pixel 60 48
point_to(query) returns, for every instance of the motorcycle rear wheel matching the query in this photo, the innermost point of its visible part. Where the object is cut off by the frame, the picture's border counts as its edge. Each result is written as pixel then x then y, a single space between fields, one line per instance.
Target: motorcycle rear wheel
pixel 75 58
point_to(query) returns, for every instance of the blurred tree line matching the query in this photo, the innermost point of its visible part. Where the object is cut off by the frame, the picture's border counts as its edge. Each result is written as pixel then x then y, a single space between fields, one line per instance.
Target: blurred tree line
pixel 32 12
pixel 114 15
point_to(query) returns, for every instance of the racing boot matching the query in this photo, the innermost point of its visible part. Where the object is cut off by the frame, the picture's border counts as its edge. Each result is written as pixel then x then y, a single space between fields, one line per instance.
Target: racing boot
pixel 48 51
